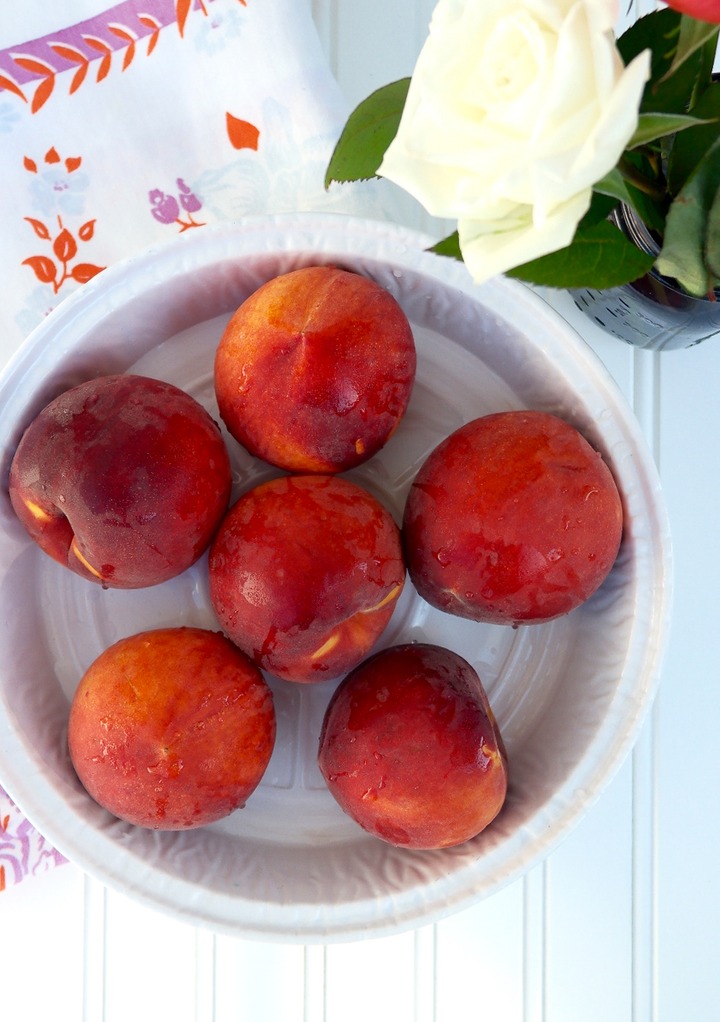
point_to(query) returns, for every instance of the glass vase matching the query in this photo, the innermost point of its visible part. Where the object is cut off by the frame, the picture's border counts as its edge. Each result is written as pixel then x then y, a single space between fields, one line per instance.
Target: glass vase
pixel 652 312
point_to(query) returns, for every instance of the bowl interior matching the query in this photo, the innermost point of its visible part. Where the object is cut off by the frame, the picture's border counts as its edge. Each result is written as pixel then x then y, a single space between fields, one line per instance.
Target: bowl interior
pixel 569 695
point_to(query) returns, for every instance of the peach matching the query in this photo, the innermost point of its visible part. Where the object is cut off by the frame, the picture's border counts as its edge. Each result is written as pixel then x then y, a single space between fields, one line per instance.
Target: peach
pixel 315 369
pixel 123 479
pixel 409 748
pixel 305 572
pixel 171 729
pixel 514 518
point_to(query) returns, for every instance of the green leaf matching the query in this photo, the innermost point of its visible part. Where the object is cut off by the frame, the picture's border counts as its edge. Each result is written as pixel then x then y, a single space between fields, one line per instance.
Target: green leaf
pixel 599 256
pixel 660 33
pixel 367 134
pixel 614 186
pixel 651 32
pixel 693 36
pixel 630 184
pixel 449 246
pixel 712 240
pixel 654 125
pixel 682 255
pixel 707 63
pixel 690 146
pixel 601 206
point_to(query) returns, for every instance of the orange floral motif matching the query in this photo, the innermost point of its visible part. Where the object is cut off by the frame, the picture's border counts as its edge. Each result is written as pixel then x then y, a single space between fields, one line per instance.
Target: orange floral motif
pixel 80 48
pixel 182 11
pixel 52 156
pixel 60 264
pixel 46 74
pixel 55 269
pixel 242 134
pixel 154 25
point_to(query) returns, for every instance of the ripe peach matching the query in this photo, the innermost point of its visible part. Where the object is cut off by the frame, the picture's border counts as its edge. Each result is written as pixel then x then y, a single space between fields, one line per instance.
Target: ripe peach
pixel 171 729
pixel 315 369
pixel 514 518
pixel 123 479
pixel 305 572
pixel 409 748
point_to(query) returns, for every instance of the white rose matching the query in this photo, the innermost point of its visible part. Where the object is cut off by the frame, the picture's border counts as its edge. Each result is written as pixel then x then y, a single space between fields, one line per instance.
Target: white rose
pixel 515 110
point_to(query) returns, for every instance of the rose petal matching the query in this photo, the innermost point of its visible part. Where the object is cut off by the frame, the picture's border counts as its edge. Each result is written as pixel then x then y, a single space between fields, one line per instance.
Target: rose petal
pixel 514 111
pixel 491 248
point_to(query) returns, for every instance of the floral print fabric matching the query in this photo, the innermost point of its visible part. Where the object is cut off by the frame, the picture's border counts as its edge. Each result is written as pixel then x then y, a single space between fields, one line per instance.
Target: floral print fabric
pixel 123 124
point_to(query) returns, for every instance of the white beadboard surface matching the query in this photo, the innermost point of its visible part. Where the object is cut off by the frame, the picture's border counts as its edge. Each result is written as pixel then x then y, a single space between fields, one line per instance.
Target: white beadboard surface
pixel 620 923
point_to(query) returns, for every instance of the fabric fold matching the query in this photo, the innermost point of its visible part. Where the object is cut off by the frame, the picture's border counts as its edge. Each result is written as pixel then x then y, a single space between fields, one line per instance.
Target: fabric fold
pixel 123 125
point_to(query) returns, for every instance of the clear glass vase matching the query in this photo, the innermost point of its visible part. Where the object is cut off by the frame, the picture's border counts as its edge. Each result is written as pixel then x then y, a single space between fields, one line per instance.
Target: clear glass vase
pixel 653 312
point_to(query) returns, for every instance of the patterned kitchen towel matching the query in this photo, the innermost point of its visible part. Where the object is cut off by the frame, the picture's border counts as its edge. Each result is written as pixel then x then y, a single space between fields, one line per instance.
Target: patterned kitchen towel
pixel 123 124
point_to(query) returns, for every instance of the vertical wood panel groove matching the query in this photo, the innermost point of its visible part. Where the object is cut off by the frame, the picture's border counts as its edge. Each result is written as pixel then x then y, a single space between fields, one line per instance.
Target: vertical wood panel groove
pixel 314 978
pixel 535 941
pixel 425 968
pixel 646 389
pixel 94 950
pixel 325 16
pixel 645 875
pixel 205 975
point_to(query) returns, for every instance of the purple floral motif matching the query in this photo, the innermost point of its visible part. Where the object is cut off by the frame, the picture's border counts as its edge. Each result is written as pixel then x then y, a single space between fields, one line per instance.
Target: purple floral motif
pixel 189 201
pixel 23 851
pixel 166 208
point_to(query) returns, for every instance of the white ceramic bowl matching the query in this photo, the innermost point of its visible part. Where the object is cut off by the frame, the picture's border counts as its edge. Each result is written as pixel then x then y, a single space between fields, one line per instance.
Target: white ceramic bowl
pixel 569 695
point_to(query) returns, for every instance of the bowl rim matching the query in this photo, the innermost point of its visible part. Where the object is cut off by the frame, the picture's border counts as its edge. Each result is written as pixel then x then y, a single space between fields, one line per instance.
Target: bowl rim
pixel 404 248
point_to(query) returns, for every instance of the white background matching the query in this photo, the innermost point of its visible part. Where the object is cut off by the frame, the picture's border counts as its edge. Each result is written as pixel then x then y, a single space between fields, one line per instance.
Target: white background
pixel 620 923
